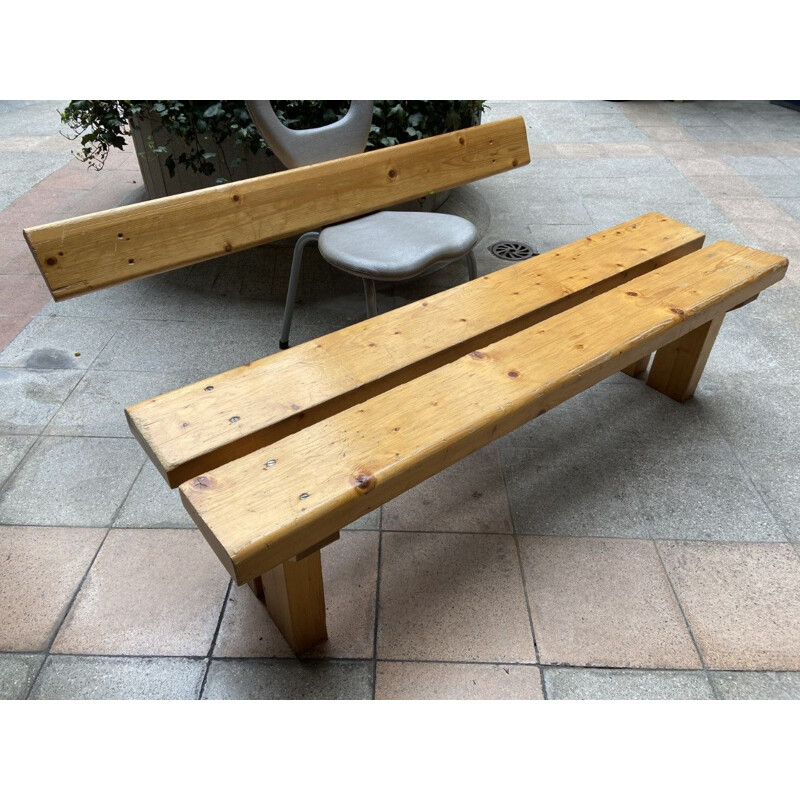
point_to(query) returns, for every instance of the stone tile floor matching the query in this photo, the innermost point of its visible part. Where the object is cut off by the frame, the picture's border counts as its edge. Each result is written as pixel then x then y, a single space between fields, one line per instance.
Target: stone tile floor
pixel 622 546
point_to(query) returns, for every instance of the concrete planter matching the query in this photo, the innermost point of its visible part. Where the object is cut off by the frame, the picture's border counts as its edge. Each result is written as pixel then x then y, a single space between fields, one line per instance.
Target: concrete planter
pixel 155 174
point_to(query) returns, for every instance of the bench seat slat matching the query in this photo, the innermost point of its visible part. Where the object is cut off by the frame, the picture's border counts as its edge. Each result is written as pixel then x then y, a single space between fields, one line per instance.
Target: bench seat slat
pixel 188 431
pixel 86 253
pixel 259 510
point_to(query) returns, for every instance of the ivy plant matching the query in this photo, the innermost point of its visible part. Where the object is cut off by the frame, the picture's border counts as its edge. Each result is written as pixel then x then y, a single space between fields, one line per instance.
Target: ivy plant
pixel 100 125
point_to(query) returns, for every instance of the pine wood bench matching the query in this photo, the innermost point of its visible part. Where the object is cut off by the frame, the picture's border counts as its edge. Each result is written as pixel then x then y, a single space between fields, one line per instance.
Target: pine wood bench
pixel 275 457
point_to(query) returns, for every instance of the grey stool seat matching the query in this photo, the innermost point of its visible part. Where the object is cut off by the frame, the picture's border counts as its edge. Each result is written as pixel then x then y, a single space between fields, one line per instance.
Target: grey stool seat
pixel 394 245
pixel 384 246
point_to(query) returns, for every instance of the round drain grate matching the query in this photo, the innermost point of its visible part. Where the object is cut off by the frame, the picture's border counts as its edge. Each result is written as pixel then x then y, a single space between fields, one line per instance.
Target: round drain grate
pixel 512 251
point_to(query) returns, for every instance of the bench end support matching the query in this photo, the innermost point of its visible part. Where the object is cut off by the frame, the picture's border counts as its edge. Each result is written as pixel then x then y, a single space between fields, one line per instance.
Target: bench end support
pixel 677 367
pixel 295 600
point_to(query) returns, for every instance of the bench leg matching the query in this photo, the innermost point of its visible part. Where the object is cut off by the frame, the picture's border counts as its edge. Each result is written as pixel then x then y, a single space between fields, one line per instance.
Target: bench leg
pixel 677 367
pixel 639 367
pixel 295 600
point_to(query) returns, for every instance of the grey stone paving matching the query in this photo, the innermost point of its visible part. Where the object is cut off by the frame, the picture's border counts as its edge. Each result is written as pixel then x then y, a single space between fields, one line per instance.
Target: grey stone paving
pixel 31 145
pixel 98 678
pixel 568 683
pixel 618 461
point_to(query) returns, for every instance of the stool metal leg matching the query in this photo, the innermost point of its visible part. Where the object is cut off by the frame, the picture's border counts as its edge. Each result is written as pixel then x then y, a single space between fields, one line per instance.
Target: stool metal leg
pixel 294 282
pixel 372 298
pixel 472 265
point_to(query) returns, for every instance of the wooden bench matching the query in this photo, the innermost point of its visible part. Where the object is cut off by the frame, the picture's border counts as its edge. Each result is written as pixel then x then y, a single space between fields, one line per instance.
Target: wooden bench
pixel 275 457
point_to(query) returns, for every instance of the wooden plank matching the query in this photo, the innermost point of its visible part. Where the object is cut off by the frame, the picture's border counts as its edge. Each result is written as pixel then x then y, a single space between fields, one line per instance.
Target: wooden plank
pixel 295 600
pixel 638 367
pixel 677 367
pixel 86 253
pixel 203 425
pixel 320 479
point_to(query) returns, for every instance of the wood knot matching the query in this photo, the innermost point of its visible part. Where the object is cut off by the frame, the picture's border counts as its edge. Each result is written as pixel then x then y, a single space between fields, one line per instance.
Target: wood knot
pixel 632 294
pixel 462 140
pixel 228 247
pixel 51 262
pixel 513 374
pixel 203 482
pixel 679 311
pixel 477 355
pixel 363 482
pixel 236 198
pixel 514 162
pixel 393 173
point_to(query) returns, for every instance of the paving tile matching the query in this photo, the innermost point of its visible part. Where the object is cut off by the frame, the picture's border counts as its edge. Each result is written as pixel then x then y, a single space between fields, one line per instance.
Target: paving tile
pixel 40 571
pixel 776 475
pixel 568 683
pixel 29 398
pixel 604 602
pixel 573 420
pixel 371 521
pixel 468 497
pixel 452 597
pixel 703 166
pixel 715 133
pixel 629 414
pixel 755 208
pixel 10 328
pixel 742 601
pixel 579 491
pixel 288 680
pixel 156 346
pixel 71 481
pixel 606 212
pixel 548 237
pixel 756 685
pixel 24 294
pixel 777 185
pixel 17 673
pixel 350 573
pixel 793 162
pixel 58 343
pixel 759 165
pixel 757 416
pixel 791 205
pixel 552 212
pixel 97 405
pixel 149 592
pixel 723 185
pixel 404 680
pixel 152 504
pixel 12 451
pixel 99 678
pixel 774 235
pixel 703 494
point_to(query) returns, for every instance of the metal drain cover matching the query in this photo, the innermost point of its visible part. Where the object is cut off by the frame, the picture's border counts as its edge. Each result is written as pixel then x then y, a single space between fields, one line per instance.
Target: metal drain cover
pixel 512 251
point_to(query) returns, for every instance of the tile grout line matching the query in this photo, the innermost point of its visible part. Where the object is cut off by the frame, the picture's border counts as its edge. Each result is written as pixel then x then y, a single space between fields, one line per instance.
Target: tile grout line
pixel 377 608
pixel 65 614
pixel 705 669
pixel 71 603
pixel 394 660
pixel 522 573
pixel 214 640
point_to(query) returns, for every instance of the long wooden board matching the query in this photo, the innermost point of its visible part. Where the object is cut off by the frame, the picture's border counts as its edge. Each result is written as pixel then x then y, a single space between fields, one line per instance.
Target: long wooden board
pixel 258 511
pixel 203 425
pixel 86 253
